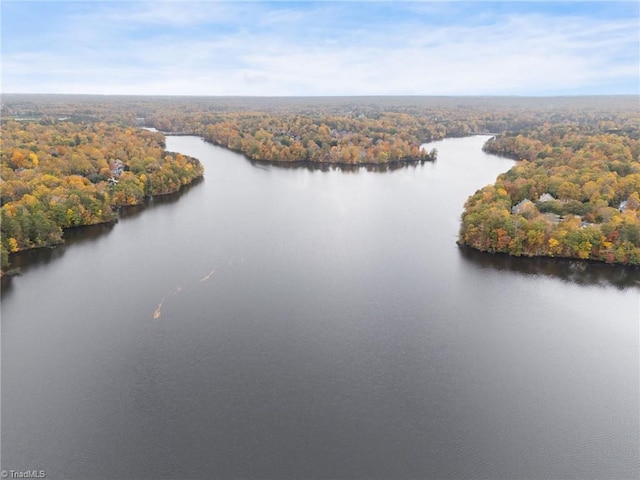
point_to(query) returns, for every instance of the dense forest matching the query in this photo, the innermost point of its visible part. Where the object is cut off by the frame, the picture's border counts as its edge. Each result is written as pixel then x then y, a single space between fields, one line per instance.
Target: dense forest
pixel 573 193
pixel 62 174
pixel 389 138
pixel 70 160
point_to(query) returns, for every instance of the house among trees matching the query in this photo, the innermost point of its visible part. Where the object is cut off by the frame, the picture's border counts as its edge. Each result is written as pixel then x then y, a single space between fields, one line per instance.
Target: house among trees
pixel 522 207
pixel 552 217
pixel 546 197
pixel 118 168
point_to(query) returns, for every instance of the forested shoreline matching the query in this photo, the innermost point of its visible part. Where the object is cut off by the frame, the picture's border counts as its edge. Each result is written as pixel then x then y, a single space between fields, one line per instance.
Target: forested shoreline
pixel 60 174
pixel 573 193
pixel 71 160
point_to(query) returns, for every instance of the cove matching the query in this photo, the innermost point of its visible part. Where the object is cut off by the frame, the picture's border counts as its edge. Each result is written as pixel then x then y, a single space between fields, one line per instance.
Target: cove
pixel 317 324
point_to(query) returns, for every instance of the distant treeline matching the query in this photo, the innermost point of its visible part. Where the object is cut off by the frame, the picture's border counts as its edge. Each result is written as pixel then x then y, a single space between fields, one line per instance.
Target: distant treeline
pixel 336 130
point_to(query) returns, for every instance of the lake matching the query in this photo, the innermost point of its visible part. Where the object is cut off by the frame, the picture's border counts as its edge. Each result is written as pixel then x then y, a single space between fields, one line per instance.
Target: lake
pixel 296 323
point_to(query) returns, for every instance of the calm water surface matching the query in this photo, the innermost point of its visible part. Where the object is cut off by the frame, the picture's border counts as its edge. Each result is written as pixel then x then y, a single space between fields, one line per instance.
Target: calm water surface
pixel 288 323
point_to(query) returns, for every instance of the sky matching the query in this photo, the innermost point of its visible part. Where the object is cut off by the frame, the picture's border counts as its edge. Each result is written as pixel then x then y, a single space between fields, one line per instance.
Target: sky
pixel 318 48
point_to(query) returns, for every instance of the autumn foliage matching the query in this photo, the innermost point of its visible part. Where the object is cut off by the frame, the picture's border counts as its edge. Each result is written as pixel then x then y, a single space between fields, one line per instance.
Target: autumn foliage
pixel 574 194
pixel 346 140
pixel 58 175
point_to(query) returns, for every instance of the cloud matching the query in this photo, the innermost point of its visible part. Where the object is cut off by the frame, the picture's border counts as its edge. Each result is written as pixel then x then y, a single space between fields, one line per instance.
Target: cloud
pixel 216 48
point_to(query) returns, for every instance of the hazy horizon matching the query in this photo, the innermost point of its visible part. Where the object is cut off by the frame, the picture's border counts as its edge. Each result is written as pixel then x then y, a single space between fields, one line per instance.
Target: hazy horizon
pixel 63 94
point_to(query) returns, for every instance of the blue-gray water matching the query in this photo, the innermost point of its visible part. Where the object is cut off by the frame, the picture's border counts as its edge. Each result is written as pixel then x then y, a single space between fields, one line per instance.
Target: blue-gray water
pixel 316 325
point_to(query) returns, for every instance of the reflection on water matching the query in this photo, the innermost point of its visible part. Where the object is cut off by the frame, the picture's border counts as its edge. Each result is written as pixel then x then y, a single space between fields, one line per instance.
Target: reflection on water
pixel 570 270
pixel 43 256
pixel 126 213
pixel 341 167
pixel 21 261
pixel 86 234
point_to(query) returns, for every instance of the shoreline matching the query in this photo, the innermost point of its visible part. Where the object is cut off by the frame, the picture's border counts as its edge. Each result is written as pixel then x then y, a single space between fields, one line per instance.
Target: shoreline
pixel 586 261
pixel 310 163
pixel 117 211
